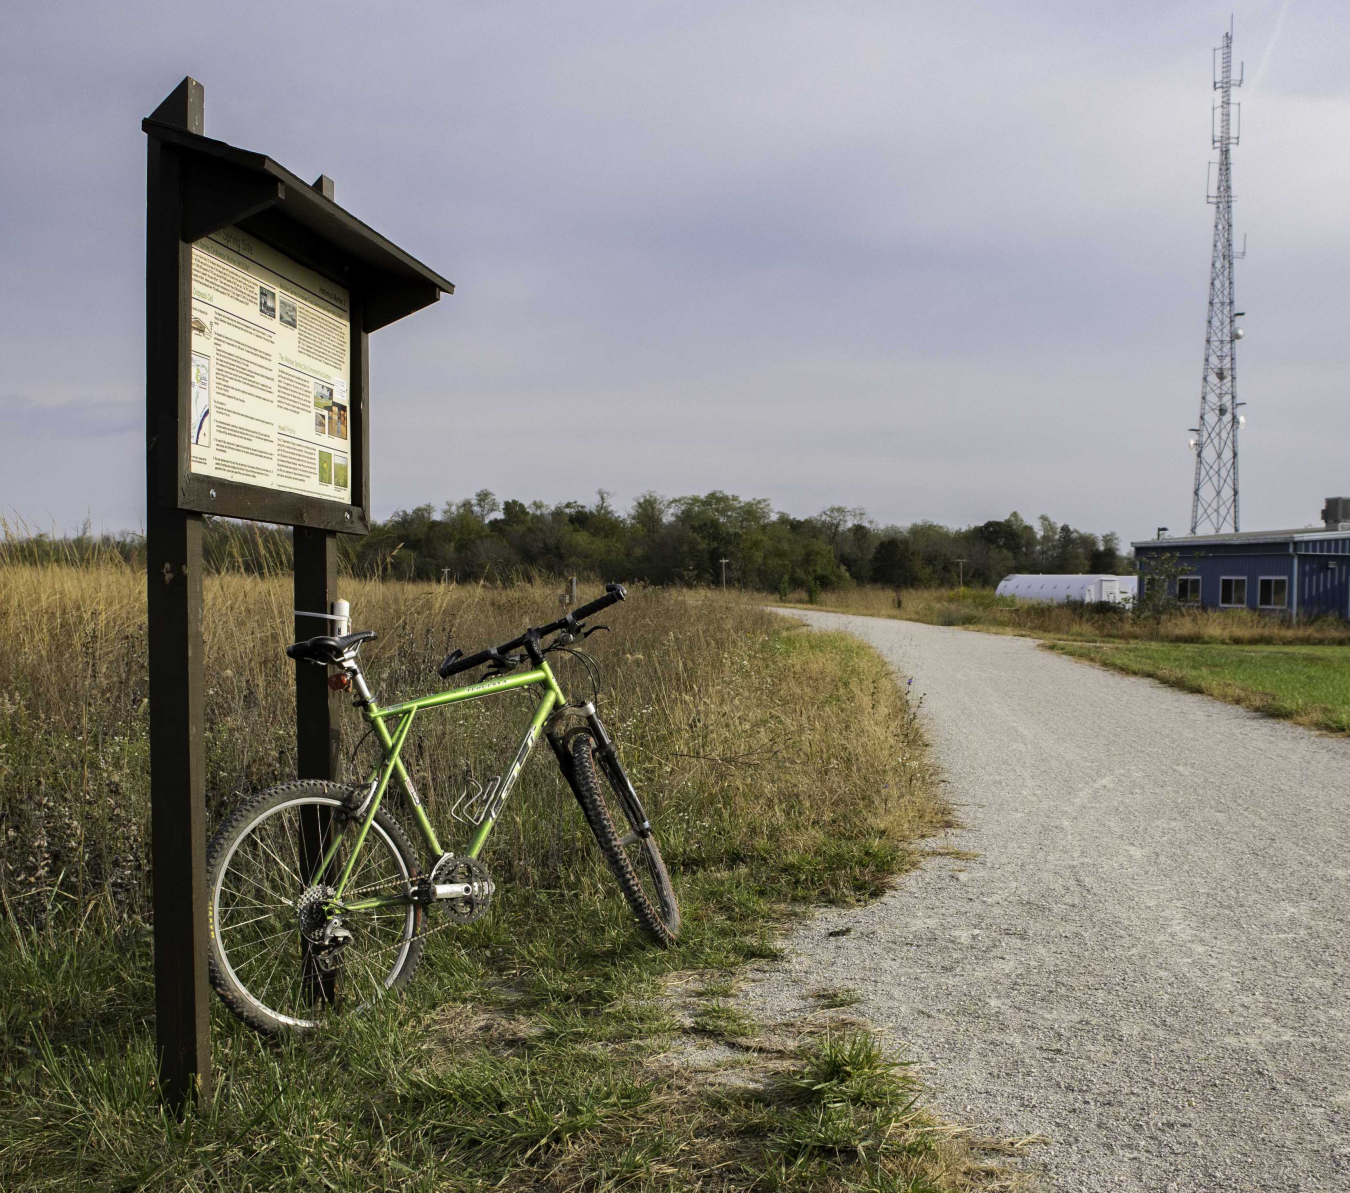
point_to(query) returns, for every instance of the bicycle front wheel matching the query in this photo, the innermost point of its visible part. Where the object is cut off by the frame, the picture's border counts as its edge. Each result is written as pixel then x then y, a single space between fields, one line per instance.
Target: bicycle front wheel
pixel 625 839
pixel 283 951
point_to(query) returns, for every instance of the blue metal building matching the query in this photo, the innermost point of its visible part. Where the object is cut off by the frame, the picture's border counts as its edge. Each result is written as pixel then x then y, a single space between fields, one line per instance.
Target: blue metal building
pixel 1295 573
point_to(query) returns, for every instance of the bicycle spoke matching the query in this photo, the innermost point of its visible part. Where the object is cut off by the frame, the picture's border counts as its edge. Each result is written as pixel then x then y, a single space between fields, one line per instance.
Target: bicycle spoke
pixel 259 889
pixel 266 915
pixel 292 874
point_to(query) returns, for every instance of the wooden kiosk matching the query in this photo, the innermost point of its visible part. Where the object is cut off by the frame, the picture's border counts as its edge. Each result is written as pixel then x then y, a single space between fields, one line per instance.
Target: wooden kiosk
pixel 261 294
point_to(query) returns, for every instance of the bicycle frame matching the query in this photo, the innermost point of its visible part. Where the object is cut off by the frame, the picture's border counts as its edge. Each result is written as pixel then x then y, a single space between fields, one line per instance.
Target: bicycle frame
pixel 391 726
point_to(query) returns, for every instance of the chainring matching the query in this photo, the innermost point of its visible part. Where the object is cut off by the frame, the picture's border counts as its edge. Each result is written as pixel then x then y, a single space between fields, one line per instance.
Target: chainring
pixel 468 870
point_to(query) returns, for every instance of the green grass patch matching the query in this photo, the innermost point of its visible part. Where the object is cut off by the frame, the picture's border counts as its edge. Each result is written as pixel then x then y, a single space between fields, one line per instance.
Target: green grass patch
pixel 1307 684
pixel 835 997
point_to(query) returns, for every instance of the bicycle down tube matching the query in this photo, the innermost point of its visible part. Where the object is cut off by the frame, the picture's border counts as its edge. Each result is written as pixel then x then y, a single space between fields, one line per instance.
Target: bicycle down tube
pixel 392 742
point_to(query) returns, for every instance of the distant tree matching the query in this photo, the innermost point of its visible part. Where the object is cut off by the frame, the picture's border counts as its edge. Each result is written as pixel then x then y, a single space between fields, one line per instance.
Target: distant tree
pixel 893 562
pixel 1047 545
pixel 833 519
pixel 648 513
pixel 1069 558
pixel 1027 534
pixel 1106 557
pixel 1002 534
pixel 855 549
pixel 485 504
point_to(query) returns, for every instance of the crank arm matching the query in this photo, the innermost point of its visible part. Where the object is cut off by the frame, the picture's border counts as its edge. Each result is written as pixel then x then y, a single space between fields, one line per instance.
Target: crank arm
pixel 451 890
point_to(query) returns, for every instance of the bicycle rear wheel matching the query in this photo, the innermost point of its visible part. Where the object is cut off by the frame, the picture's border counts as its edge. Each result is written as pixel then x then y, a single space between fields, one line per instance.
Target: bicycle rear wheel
pixel 279 959
pixel 625 838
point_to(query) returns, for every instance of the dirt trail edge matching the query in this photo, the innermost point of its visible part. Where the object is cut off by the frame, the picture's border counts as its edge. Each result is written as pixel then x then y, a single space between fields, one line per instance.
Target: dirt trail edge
pixel 1147 962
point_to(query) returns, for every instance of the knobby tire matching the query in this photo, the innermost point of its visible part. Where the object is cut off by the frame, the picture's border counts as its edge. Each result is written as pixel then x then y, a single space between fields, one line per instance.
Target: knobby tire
pixel 253 886
pixel 637 865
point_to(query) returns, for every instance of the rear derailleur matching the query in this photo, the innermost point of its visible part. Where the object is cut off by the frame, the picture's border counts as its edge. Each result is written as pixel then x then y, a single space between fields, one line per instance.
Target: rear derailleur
pixel 324 934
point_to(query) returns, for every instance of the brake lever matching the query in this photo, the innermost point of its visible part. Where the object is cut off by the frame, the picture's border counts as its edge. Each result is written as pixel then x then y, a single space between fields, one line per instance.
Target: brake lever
pixel 596 630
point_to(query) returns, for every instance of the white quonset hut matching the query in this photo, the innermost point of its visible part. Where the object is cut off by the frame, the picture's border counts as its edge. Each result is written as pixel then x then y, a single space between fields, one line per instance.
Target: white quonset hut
pixel 1115 590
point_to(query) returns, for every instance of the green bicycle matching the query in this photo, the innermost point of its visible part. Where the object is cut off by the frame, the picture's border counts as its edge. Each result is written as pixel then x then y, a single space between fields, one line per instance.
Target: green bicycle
pixel 317 897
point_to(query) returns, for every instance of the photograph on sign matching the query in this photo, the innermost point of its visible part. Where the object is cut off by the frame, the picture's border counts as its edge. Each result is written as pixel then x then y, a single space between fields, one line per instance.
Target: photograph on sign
pixel 271 367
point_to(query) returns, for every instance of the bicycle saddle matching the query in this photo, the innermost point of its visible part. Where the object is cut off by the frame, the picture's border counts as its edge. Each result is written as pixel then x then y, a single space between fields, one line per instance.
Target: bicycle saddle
pixel 326 649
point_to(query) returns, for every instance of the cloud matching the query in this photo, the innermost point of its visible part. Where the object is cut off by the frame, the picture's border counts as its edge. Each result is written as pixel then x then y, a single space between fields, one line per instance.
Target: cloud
pixel 78 418
pixel 941 260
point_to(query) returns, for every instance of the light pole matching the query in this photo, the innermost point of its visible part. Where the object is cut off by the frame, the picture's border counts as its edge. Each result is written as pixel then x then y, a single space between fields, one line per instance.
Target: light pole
pixel 961 573
pixel 724 563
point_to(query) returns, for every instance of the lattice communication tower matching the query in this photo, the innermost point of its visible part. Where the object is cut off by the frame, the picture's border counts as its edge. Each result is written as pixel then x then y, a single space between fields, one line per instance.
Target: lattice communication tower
pixel 1214 505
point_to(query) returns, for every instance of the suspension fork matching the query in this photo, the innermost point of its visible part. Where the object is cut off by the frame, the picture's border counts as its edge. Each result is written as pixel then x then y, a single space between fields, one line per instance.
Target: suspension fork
pixel 609 761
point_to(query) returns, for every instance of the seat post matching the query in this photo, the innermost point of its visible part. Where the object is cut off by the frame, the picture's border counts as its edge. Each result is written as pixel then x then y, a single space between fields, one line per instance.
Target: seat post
pixel 363 691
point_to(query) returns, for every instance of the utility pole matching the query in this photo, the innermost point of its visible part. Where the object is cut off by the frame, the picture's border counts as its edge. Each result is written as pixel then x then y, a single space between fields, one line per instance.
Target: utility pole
pixel 724 574
pixel 961 573
pixel 1214 500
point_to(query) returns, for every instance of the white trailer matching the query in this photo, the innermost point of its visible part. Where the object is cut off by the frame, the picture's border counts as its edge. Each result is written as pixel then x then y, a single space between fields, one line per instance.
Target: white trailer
pixel 1116 590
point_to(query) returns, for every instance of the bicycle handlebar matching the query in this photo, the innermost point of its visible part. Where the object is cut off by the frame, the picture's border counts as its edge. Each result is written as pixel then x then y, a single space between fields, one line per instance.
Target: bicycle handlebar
pixel 457 662
pixel 614 593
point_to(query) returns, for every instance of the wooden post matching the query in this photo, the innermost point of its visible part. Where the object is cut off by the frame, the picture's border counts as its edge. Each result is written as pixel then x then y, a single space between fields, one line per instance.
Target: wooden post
pixel 318 743
pixel 174 612
pixel 318 739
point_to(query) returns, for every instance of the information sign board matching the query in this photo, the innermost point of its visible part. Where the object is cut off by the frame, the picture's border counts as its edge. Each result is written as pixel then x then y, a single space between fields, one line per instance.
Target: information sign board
pixel 271 370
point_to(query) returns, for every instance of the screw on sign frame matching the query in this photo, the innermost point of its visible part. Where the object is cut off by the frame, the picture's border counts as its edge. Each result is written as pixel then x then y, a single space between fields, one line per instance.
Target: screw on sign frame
pixel 253 218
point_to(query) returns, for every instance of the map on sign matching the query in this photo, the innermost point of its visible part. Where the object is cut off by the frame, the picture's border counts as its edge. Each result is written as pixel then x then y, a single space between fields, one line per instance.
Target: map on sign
pixel 270 370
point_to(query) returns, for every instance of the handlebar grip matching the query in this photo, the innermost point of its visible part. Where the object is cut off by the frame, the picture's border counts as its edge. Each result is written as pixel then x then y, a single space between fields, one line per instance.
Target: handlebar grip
pixel 454 664
pixel 614 593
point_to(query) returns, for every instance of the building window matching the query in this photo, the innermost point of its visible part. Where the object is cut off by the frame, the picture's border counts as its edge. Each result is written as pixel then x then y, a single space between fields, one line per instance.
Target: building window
pixel 1188 590
pixel 1233 591
pixel 1272 592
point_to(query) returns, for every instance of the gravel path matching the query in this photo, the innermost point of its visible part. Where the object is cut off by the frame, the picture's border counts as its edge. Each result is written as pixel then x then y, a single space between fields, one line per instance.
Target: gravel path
pixel 1148 961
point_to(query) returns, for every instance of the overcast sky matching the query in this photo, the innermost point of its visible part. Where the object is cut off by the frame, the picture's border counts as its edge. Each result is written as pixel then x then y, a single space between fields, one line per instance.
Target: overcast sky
pixel 942 260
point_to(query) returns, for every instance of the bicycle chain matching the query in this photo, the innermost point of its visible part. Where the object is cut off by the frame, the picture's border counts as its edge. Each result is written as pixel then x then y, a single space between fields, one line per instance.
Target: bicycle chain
pixel 426 932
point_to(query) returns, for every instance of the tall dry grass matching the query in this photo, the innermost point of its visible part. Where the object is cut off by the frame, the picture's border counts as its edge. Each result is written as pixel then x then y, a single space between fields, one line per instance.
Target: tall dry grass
pixel 711 701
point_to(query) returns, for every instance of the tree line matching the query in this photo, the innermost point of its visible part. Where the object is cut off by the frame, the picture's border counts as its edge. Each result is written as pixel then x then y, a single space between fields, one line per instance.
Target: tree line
pixel 660 540
pixel 689 540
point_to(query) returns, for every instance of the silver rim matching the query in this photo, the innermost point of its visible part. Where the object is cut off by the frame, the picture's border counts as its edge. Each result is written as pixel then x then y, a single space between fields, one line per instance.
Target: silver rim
pixel 256 925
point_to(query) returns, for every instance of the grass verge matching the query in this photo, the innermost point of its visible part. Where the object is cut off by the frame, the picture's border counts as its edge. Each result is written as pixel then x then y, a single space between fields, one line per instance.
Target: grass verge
pixel 537 1049
pixel 1306 684
pixel 981 609
pixel 1295 672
